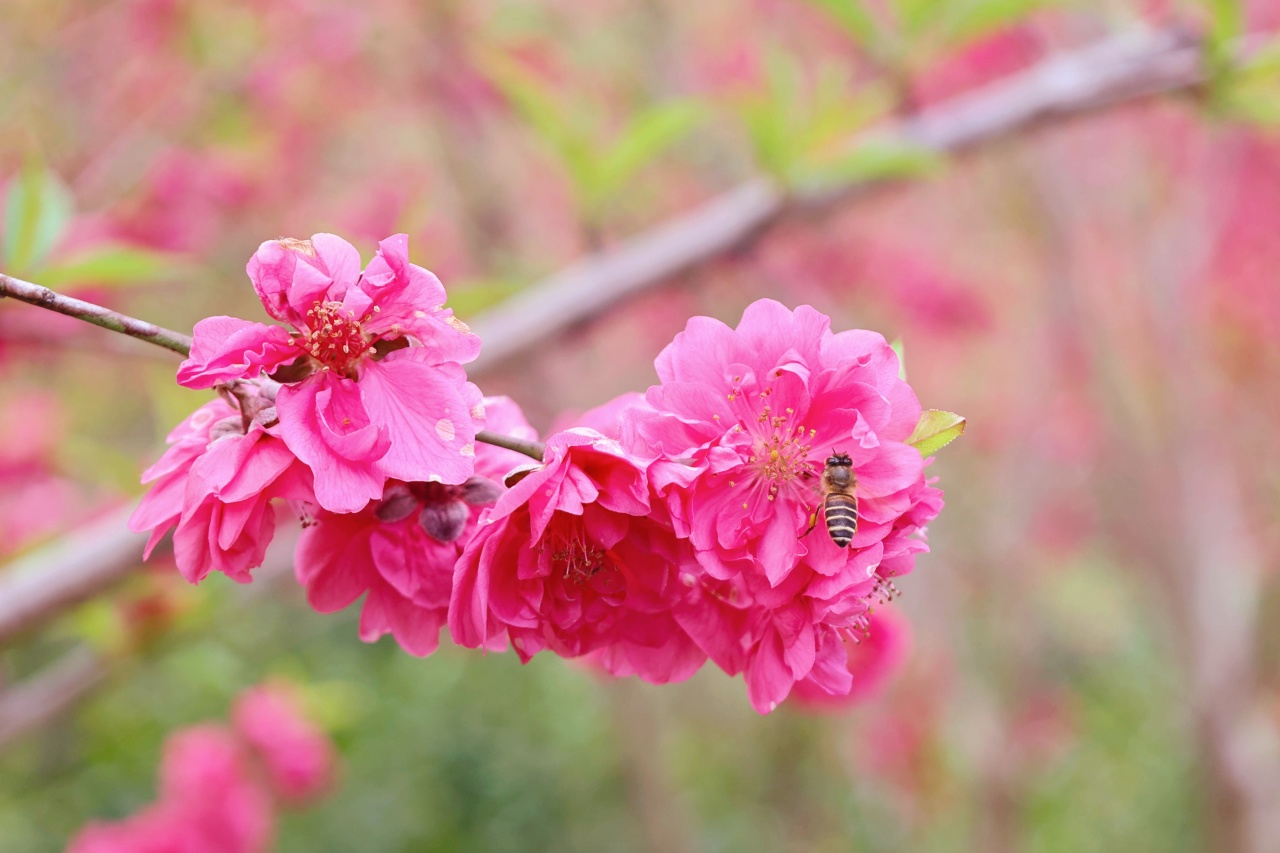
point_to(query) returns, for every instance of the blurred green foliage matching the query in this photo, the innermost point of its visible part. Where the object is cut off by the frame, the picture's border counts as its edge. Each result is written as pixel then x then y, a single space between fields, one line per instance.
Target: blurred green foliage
pixel 467 751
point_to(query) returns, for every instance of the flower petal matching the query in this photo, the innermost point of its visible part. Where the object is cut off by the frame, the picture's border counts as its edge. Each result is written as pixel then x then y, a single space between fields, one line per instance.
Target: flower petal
pixel 426 417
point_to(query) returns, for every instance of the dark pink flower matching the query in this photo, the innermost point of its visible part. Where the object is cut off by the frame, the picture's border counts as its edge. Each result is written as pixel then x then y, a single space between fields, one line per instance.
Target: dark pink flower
pixel 401 549
pixel 298 757
pixel 738 433
pixel 577 558
pixel 215 485
pixel 373 382
pixel 871 659
pixel 755 411
pixel 216 785
pixel 209 803
pixel 207 763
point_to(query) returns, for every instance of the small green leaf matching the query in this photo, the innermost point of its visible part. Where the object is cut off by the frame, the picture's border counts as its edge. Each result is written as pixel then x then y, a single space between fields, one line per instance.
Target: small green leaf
pixel 967 21
pixel 899 348
pixel 111 264
pixel 98 623
pixel 1251 91
pixel 37 209
pixel 1226 18
pixel 871 160
pixel 470 297
pixel 532 100
pixel 935 430
pixel 653 129
pixel 773 117
pixel 857 21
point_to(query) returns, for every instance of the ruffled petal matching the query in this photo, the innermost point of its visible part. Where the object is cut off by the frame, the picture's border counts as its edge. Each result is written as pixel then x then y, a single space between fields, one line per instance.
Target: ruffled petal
pixel 226 348
pixel 426 416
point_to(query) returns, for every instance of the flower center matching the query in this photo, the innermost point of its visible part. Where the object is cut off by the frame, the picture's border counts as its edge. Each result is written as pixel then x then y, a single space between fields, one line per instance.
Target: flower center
pixel 780 453
pixel 334 337
pixel 579 560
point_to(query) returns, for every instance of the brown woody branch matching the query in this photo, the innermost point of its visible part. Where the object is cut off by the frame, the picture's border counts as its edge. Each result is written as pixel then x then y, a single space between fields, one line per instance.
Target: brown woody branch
pixel 43 297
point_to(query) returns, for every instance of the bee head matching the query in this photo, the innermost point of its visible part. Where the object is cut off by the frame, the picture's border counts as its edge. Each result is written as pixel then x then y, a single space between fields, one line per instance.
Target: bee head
pixel 840 460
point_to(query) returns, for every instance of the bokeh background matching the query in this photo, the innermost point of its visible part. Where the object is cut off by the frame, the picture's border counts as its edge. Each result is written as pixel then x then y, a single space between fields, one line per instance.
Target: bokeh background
pixel 1092 647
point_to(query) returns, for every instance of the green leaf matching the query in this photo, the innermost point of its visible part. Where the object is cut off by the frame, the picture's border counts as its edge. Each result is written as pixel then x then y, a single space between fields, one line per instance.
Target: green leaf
pixel 900 348
pixel 871 160
pixel 112 264
pixel 859 23
pixel 653 129
pixel 37 209
pixel 935 430
pixel 100 625
pixel 1251 92
pixel 916 17
pixel 547 118
pixel 470 297
pixel 1226 19
pixel 773 118
pixel 966 21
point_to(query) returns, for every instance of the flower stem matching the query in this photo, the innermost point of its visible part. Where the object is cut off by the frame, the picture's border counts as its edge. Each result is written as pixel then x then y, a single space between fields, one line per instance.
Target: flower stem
pixel 43 297
pixel 526 446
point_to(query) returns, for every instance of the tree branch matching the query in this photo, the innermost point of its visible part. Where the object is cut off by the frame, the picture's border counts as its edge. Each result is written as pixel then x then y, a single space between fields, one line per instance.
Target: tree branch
pixel 55 689
pixel 1119 69
pixel 533 449
pixel 76 568
pixel 43 297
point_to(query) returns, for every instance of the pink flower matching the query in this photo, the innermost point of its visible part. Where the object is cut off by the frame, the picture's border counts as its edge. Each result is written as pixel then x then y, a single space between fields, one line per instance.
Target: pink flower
pixel 216 484
pixel 205 774
pixel 401 550
pixel 298 757
pixel 208 803
pixel 374 386
pixel 154 830
pixel 871 660
pixel 741 426
pixel 213 783
pixel 577 559
pixel 756 411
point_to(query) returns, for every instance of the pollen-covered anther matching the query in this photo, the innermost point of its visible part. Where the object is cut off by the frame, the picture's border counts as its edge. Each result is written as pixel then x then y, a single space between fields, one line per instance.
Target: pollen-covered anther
pixel 579 560
pixel 334 337
pixel 781 459
pixel 885 591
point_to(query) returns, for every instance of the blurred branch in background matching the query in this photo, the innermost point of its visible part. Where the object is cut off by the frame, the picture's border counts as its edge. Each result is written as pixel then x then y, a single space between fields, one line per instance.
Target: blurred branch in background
pixel 1116 70
pixel 43 697
pixel 49 581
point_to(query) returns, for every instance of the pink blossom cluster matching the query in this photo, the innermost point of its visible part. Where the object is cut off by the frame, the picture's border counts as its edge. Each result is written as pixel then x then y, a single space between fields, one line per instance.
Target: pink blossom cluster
pixel 220 787
pixel 661 531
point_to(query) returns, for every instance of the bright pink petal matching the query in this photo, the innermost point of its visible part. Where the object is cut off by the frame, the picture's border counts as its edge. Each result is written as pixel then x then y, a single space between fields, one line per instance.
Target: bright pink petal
pixel 323 422
pixel 333 561
pixel 226 348
pixel 426 417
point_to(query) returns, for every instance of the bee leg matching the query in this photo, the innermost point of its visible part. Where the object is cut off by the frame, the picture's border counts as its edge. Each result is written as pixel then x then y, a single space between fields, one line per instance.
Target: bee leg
pixel 813 521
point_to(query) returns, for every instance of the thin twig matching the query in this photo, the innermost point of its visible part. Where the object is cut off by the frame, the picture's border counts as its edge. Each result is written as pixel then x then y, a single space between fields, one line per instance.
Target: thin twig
pixel 533 449
pixel 43 297
pixel 54 690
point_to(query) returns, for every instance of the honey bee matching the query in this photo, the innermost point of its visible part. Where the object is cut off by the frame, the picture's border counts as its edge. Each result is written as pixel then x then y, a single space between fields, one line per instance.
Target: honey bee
pixel 839 503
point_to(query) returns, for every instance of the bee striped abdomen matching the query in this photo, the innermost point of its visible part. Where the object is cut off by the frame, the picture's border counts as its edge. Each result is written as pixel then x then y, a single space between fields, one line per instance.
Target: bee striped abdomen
pixel 841 515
